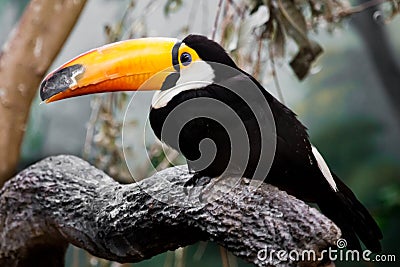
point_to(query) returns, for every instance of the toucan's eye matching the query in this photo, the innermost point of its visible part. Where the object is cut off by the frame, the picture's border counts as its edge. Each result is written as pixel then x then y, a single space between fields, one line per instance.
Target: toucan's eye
pixel 186 59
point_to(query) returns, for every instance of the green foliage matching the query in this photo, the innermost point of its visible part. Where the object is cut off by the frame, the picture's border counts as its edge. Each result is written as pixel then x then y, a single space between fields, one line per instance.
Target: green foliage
pixel 288 20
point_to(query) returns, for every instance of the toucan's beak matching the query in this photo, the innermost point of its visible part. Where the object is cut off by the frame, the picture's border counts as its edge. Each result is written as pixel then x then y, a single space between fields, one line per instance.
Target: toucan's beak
pixel 140 64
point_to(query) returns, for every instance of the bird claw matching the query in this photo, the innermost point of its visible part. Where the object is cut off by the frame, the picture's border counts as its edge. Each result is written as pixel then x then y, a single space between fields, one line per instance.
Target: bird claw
pixel 196 180
pixel 206 194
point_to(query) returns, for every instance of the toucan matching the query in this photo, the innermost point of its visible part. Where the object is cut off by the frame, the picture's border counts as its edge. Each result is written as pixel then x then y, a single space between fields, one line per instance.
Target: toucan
pixel 216 112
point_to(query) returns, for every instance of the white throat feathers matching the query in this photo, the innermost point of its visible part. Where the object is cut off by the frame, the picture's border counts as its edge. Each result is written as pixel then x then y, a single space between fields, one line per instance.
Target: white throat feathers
pixel 198 75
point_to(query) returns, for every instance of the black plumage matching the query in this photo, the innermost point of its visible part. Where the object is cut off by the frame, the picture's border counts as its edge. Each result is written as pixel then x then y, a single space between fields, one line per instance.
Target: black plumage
pixel 294 167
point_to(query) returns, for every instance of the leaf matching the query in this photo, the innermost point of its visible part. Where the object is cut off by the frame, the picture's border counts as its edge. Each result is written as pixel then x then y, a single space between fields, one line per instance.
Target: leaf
pixel 257 19
pixel 303 60
pixel 294 22
pixel 229 36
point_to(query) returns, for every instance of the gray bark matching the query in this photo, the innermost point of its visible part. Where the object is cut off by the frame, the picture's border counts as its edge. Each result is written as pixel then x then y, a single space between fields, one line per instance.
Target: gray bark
pixel 63 200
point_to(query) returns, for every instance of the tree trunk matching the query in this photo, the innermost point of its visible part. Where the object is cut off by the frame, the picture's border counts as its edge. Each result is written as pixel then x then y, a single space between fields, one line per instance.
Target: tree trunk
pixel 24 59
pixel 63 200
pixel 371 28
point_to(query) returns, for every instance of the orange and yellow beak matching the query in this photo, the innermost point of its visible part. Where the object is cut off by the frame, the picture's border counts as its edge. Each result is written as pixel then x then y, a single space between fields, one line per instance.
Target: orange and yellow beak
pixel 140 64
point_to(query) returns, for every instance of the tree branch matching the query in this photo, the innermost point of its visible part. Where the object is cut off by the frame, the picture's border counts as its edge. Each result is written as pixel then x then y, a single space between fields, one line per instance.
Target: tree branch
pixel 63 200
pixel 24 59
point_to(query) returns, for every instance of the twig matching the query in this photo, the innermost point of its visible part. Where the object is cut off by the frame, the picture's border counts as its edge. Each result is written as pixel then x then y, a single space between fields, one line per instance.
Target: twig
pixel 257 70
pixel 237 8
pixel 169 259
pixel 192 14
pixel 200 251
pixel 214 30
pixel 147 10
pixel 361 7
pixel 91 126
pixel 275 76
pixel 227 20
pixel 75 257
pixel 120 25
pixel 180 257
pixel 224 257
pixel 97 101
pixel 232 260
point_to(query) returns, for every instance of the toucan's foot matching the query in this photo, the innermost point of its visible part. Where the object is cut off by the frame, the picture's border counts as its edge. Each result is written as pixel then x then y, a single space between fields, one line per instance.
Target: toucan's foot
pixel 208 192
pixel 196 180
pixel 191 169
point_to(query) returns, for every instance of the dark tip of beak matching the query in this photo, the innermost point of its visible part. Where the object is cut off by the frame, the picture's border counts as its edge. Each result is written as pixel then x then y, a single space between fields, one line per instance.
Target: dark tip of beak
pixel 60 81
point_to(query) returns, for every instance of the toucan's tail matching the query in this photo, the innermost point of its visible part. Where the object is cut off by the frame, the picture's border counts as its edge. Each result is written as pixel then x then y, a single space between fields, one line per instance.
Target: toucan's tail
pixel 353 219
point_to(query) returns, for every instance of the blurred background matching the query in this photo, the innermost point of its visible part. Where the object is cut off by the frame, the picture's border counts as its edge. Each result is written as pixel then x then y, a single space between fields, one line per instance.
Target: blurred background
pixel 347 101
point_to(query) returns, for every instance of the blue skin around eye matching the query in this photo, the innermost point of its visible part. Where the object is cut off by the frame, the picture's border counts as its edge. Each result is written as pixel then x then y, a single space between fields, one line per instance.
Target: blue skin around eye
pixel 186 58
